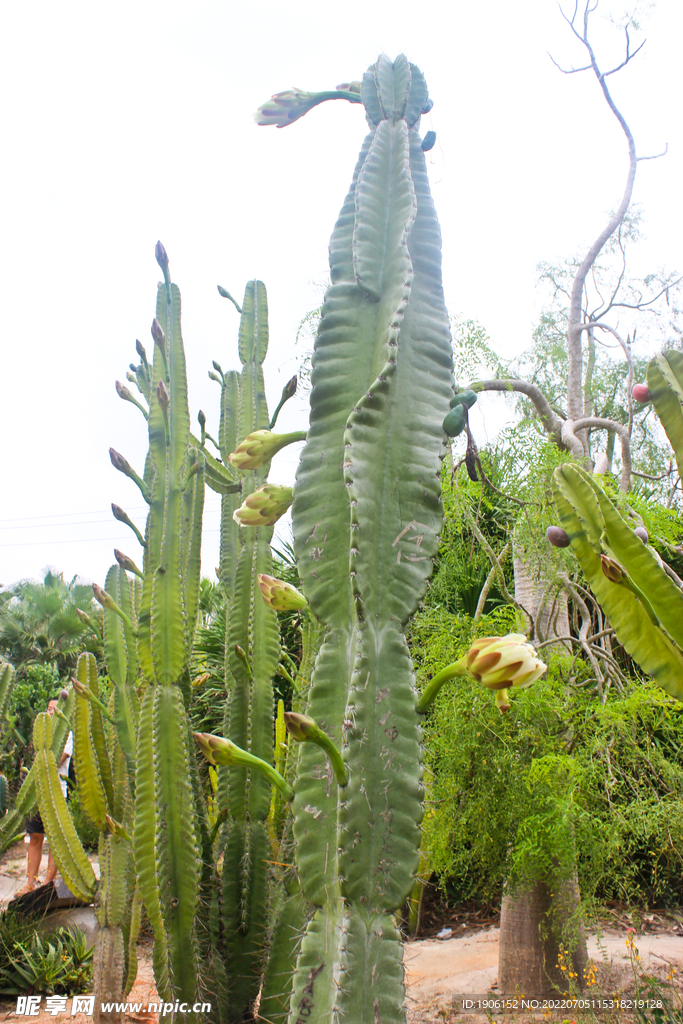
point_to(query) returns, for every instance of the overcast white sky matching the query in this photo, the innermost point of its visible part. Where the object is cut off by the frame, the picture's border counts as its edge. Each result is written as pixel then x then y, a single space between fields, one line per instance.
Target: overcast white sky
pixel 123 123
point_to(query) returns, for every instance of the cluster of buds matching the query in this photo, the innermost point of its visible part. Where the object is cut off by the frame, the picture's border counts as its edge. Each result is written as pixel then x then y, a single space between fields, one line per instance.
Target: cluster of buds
pixel 281 596
pixel 264 507
pixel 260 446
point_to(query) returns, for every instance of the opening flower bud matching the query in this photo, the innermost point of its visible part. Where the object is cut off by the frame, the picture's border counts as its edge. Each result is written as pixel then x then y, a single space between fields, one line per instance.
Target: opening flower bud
pixel 259 447
pixel 265 506
pixel 500 662
pixel 281 596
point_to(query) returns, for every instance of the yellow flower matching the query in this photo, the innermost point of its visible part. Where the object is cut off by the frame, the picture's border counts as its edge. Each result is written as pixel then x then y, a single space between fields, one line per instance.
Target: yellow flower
pixel 264 507
pixel 259 447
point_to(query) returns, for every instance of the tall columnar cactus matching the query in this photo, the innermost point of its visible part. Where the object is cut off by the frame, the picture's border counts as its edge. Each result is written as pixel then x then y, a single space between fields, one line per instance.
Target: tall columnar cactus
pixel 367 516
pixel 644 606
pixel 252 656
pixel 148 634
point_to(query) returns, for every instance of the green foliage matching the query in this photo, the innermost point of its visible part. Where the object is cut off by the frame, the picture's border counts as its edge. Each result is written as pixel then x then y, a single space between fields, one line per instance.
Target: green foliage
pixel 39 623
pixel 87 832
pixel 513 793
pixel 58 963
pixel 30 695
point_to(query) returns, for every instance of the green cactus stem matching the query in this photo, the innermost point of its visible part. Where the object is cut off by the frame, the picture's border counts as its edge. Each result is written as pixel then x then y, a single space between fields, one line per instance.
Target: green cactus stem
pixel 366 519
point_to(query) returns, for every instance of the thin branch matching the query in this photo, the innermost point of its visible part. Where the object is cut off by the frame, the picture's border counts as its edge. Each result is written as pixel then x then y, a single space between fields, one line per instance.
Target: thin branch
pixel 550 420
pixel 655 156
pixel 481 603
pixel 485 479
pixel 598 423
pixel 495 562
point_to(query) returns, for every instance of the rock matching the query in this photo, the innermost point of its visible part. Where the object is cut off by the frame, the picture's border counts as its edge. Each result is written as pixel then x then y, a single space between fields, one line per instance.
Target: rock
pixel 71 917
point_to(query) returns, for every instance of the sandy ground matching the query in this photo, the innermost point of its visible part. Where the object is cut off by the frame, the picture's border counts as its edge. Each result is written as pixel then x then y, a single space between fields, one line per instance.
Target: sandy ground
pixel 439 971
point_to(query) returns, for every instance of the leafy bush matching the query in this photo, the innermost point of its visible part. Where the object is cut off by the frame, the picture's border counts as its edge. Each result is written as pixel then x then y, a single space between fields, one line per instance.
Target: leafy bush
pixel 513 795
pixel 59 963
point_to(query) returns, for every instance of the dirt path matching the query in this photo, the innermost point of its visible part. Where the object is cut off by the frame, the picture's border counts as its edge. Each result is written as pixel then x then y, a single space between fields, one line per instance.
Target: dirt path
pixel 440 974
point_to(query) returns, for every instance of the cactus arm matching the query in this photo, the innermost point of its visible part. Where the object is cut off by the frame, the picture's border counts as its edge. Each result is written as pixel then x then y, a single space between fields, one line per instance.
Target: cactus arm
pixel 133 936
pixel 650 646
pixel 176 843
pixel 66 847
pixel 665 383
pixel 90 787
pixel 26 798
pixel 119 652
pixel 284 948
pixel 168 617
pixel 218 478
pixel 6 685
pixel 646 577
pixel 192 544
pixel 146 813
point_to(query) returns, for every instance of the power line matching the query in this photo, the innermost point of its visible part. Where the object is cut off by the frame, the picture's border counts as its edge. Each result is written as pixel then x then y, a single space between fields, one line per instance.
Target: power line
pixel 81 522
pixel 79 540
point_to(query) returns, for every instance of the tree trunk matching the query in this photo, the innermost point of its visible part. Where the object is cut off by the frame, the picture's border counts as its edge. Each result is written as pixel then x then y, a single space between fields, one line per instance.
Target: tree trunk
pixel 546 605
pixel 108 963
pixel 542 941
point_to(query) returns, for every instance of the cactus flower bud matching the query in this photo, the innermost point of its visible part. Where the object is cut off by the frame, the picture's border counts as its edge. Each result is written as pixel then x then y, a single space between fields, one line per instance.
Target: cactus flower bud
pixel 499 662
pixel 127 563
pixel 201 418
pixel 140 349
pixel 260 446
pixel 158 335
pixel 217 367
pixel 641 393
pixel 558 537
pixel 280 595
pixel 301 727
pixel 217 750
pixel 642 534
pixel 118 461
pixel 286 107
pixel 614 572
pixel 161 256
pixel 163 397
pixel 306 730
pixel 289 390
pixel 264 507
pixel 104 598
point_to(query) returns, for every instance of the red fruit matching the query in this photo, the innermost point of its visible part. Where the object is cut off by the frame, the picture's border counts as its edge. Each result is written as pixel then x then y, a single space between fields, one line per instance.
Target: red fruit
pixel 641 394
pixel 558 537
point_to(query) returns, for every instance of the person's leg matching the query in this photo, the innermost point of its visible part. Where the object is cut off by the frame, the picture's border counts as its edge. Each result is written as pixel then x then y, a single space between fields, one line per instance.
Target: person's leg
pixel 35 853
pixel 51 872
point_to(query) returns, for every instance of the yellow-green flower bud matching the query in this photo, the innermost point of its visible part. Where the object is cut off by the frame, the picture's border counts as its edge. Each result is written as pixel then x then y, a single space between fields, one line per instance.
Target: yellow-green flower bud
pixel 499 662
pixel 281 596
pixel 614 572
pixel 264 507
pixel 259 447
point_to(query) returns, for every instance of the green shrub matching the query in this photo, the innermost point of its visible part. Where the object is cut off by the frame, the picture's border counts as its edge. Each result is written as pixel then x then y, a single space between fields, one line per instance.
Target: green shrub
pixel 513 794
pixel 59 963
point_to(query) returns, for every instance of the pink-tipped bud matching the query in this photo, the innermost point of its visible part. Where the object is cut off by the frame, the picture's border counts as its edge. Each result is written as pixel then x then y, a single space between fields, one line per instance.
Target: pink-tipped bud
pixel 201 419
pixel 103 597
pixel 158 335
pixel 614 572
pixel 140 349
pixel 163 397
pixel 127 563
pixel 301 727
pixel 161 256
pixel 558 537
pixel 122 391
pixel 641 393
pixel 118 462
pixel 78 686
pixel 281 596
pixel 118 513
pixel 642 534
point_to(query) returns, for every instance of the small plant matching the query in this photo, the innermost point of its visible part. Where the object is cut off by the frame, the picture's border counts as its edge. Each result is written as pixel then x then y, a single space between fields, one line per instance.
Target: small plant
pixel 58 963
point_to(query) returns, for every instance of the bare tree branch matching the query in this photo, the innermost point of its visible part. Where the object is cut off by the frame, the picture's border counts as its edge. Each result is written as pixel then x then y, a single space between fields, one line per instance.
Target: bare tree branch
pixel 550 420
pixel 597 423
pixel 481 603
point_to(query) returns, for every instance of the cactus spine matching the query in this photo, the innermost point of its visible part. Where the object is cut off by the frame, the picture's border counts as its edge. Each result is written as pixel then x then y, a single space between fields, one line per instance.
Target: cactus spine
pixel 367 517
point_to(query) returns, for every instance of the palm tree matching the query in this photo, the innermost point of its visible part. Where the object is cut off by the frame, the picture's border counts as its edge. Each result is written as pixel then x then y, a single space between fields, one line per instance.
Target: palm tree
pixel 39 622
